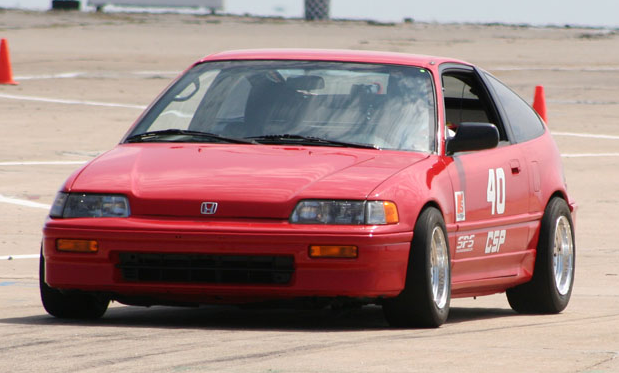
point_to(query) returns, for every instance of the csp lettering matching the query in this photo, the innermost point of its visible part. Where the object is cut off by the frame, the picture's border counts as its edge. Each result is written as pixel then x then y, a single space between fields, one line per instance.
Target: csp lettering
pixel 494 241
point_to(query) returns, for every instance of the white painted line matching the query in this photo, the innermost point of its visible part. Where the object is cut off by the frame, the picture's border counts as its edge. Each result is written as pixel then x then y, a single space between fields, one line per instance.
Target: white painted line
pixel 50 76
pixel 587 155
pixel 42 163
pixel 21 202
pixel 551 68
pixel 171 73
pixel 11 257
pixel 583 102
pixel 587 135
pixel 71 102
pixel 104 75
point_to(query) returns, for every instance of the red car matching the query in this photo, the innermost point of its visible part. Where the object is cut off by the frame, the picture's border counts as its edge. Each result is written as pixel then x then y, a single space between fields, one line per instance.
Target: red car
pixel 327 177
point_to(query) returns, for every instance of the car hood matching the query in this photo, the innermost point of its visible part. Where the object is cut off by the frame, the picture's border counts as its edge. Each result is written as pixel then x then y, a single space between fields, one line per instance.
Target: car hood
pixel 246 181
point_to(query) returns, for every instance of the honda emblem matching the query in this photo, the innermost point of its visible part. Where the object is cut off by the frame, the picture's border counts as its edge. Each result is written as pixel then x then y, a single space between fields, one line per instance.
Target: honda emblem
pixel 208 208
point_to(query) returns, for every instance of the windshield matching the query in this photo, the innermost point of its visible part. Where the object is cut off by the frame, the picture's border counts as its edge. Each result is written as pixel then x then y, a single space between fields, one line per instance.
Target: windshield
pixel 377 106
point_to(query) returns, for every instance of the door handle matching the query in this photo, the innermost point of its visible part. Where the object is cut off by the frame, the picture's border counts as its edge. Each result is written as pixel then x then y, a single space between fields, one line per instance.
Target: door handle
pixel 514 164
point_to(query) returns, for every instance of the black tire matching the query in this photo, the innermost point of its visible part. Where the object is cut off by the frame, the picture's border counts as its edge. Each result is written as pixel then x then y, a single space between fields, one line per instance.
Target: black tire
pixel 416 306
pixel 542 295
pixel 73 305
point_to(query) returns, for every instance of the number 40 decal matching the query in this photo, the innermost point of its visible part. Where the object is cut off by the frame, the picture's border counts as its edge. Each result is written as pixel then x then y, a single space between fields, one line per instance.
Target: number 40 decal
pixel 496 190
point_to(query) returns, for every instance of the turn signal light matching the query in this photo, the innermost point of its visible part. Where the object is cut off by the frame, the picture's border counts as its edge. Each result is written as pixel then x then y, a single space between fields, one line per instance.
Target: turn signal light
pixel 391 212
pixel 333 251
pixel 77 246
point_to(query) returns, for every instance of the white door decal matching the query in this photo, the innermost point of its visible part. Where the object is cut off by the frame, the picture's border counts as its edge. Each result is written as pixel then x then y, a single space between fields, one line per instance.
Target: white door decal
pixel 494 241
pixel 495 193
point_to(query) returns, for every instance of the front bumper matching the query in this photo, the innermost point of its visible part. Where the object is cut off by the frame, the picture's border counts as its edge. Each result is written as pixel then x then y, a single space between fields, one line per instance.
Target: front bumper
pixel 379 270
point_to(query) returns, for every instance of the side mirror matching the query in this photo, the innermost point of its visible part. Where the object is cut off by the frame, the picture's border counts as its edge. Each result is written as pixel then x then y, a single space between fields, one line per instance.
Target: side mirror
pixel 473 136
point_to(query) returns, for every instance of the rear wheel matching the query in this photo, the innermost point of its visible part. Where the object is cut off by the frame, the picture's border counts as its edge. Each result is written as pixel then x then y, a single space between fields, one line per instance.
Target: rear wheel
pixel 424 302
pixel 550 288
pixel 73 305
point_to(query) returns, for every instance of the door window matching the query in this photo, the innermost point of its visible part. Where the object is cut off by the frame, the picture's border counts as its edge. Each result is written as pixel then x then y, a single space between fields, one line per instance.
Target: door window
pixel 466 100
pixel 525 123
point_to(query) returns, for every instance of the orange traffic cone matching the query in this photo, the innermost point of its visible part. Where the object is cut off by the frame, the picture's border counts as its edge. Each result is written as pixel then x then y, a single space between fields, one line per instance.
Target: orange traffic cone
pixel 539 102
pixel 6 74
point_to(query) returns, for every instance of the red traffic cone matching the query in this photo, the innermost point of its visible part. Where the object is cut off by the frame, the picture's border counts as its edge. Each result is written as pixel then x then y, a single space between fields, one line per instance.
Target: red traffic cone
pixel 6 74
pixel 539 102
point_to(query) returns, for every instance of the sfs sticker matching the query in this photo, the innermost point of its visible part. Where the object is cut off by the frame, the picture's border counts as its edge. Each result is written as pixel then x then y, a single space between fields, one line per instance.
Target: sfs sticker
pixel 495 240
pixel 495 194
pixel 465 243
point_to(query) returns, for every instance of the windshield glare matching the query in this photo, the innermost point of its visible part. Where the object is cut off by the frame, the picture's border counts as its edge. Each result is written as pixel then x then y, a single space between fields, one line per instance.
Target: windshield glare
pixel 387 106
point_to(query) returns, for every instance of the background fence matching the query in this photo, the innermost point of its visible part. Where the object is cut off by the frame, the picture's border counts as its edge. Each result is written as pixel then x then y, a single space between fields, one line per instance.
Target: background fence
pixel 316 9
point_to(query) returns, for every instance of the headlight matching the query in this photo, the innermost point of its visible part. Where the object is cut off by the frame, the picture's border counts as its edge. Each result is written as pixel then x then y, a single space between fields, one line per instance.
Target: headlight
pixel 84 205
pixel 344 212
pixel 58 205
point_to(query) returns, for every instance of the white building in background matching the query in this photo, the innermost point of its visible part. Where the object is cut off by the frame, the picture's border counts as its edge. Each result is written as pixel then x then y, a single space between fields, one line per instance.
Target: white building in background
pixel 208 4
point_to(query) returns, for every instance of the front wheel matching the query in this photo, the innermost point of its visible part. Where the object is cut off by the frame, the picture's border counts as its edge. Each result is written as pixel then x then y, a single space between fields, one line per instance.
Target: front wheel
pixel 550 288
pixel 77 305
pixel 424 302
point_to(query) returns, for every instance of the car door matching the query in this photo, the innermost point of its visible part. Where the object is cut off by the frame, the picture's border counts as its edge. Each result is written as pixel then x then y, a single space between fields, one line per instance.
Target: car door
pixel 491 187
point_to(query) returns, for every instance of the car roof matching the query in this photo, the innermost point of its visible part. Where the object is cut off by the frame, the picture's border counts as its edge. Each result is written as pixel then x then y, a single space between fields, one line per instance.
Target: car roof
pixel 339 55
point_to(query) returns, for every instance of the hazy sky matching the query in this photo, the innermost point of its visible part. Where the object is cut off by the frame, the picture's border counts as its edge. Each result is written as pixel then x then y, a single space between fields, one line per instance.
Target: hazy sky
pixel 536 12
pixel 559 12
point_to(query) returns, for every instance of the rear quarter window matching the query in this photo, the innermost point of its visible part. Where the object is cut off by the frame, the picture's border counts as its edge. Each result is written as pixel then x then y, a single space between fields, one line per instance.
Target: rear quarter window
pixel 524 121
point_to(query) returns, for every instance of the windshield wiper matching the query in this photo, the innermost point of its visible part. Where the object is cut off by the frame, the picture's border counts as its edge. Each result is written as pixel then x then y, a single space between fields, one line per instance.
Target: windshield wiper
pixel 307 140
pixel 163 134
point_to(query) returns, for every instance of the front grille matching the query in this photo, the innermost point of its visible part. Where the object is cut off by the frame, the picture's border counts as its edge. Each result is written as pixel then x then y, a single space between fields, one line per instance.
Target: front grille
pixel 206 268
